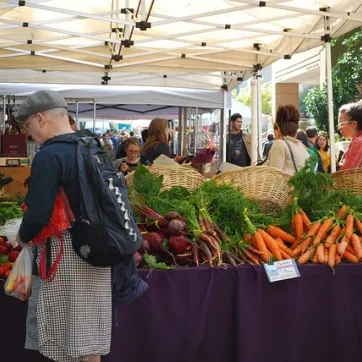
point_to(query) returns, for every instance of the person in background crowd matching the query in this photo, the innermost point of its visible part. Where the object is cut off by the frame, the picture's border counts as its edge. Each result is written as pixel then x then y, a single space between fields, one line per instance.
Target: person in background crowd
pixel 239 149
pixel 112 138
pixel 323 148
pixel 72 123
pixel 144 135
pixel 268 145
pixel 70 317
pixel 287 154
pixel 107 146
pixel 121 151
pixel 131 134
pixel 312 135
pixel 130 162
pixel 73 126
pixel 113 142
pixel 157 141
pixel 350 125
pixel 302 136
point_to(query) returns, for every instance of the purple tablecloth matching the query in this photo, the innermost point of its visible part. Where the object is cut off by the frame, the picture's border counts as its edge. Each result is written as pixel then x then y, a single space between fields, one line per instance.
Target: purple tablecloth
pixel 234 315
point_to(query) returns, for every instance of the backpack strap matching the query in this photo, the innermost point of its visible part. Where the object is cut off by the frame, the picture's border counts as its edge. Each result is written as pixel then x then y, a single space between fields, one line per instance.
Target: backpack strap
pixel 291 155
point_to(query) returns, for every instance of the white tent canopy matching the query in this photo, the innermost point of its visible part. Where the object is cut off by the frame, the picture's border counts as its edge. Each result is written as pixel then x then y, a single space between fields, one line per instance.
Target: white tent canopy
pixel 183 43
pixel 180 97
pixel 120 102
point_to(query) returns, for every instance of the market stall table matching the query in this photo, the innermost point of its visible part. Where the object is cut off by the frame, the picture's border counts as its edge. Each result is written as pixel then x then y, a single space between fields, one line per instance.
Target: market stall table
pixel 234 315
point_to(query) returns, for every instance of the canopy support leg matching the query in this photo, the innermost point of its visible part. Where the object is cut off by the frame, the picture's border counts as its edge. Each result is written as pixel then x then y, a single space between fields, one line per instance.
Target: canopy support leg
pixel 330 92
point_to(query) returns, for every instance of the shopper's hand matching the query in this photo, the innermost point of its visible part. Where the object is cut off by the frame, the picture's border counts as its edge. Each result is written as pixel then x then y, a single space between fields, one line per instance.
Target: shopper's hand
pixel 20 243
pixel 237 153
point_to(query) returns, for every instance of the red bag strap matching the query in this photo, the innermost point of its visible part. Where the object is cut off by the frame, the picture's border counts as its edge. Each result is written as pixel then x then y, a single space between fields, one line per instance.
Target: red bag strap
pixel 67 209
pixel 54 267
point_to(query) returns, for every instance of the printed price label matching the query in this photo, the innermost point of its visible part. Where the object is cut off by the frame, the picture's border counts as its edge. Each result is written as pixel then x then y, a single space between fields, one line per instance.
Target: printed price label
pixel 282 270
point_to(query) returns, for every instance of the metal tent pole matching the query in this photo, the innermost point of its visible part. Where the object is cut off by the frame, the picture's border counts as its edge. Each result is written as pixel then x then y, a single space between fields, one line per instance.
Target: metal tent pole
pixel 224 126
pixel 94 115
pixel 4 112
pixel 330 94
pixel 254 120
pixel 76 112
pixel 260 126
pixel 184 133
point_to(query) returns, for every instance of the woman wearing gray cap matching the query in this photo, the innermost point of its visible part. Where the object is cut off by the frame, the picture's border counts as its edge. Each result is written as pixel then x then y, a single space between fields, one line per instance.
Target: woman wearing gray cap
pixel 73 320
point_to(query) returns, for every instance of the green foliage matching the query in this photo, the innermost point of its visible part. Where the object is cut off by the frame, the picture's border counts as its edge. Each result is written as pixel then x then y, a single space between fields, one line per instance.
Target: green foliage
pixel 152 263
pixel 229 207
pixel 312 191
pixel 5 180
pixel 244 97
pixel 146 183
pixel 347 73
pixel 347 81
pixel 9 210
pixel 316 103
pixel 3 259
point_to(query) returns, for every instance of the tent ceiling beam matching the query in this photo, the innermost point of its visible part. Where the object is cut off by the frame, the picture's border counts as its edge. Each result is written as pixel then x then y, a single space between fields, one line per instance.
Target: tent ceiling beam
pixel 70 18
pixel 336 31
pixel 210 60
pixel 172 19
pixel 245 28
pixel 72 34
pixel 215 44
pixel 76 61
pixel 322 13
pixel 79 14
pixel 248 23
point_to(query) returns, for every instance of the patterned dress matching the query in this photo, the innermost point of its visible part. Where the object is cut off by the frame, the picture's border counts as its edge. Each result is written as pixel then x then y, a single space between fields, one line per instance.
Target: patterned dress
pixel 74 310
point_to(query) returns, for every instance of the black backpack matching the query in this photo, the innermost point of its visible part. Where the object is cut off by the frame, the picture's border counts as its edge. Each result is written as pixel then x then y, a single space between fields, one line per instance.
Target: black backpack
pixel 104 231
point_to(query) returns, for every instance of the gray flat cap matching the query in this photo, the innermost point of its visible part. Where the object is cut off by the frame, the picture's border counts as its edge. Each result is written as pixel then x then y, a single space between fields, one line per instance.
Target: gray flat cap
pixel 40 101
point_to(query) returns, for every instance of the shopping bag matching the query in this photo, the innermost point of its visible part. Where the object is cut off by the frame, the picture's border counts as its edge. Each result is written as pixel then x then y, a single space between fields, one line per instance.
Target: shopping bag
pixel 10 229
pixel 18 284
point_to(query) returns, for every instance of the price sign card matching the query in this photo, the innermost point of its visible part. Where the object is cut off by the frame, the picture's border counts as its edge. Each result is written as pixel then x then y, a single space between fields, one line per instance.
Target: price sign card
pixel 282 270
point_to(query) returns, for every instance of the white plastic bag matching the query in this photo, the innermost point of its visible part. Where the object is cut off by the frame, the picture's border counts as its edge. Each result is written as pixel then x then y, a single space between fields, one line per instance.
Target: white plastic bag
pixel 18 284
pixel 10 230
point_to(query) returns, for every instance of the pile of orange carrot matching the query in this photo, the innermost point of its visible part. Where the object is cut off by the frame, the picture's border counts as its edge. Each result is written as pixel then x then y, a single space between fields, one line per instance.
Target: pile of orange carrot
pixel 327 241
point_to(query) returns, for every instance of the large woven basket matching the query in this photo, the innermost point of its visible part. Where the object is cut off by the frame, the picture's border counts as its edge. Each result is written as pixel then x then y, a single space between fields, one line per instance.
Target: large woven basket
pixel 268 186
pixel 174 176
pixel 350 180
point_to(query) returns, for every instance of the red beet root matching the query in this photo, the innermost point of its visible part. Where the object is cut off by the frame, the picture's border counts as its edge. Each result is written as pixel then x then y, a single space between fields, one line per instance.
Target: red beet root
pixel 154 241
pixel 137 257
pixel 172 215
pixel 145 247
pixel 178 244
pixel 176 226
pixel 184 259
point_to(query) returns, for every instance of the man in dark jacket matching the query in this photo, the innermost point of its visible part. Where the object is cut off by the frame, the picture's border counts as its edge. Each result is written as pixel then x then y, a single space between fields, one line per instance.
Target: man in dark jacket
pixel 312 135
pixel 239 147
pixel 268 145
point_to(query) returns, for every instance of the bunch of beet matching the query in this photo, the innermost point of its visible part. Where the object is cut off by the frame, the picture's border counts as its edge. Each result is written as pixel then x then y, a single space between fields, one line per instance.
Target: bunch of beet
pixel 173 229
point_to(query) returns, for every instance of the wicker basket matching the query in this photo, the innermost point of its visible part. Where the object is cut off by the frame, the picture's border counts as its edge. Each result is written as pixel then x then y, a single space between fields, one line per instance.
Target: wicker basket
pixel 268 186
pixel 174 176
pixel 350 180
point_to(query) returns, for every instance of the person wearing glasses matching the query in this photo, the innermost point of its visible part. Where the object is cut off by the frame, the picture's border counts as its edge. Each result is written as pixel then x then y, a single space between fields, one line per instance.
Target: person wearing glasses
pixel 129 163
pixel 350 125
